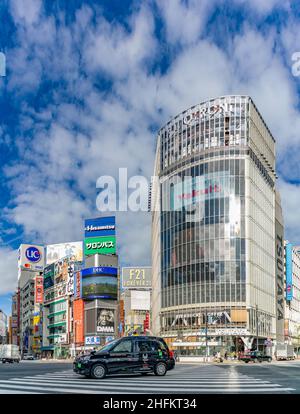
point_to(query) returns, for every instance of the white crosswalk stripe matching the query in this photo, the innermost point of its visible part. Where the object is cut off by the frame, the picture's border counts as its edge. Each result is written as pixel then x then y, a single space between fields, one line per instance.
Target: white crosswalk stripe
pixel 208 379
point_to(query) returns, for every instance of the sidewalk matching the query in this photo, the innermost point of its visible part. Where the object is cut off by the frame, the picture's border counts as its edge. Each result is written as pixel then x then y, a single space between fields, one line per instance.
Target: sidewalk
pixel 196 360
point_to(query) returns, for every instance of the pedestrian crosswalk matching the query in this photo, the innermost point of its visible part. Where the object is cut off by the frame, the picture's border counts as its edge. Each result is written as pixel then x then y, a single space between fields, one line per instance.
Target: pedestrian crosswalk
pixel 183 380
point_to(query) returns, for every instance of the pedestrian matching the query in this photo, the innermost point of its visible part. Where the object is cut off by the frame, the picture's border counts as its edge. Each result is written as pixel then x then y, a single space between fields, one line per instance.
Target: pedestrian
pixel 225 355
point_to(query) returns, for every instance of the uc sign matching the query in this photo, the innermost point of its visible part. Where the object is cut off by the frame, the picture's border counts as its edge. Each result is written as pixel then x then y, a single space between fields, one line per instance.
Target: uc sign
pixel 33 254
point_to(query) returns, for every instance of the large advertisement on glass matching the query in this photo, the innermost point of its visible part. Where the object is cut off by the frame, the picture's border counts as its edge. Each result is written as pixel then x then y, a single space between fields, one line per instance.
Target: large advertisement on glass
pixel 105 320
pixel 190 192
pixel 100 283
pixel 73 250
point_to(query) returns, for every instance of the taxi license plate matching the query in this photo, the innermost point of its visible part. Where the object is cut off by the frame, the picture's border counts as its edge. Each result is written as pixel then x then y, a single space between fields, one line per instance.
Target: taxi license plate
pixel 78 365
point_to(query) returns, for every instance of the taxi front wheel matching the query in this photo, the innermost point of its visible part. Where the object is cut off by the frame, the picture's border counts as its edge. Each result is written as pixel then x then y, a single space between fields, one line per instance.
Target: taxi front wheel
pixel 160 369
pixel 98 371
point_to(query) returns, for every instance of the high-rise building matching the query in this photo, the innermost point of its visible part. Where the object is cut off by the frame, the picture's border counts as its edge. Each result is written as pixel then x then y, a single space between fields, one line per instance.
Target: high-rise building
pixel 292 296
pixel 213 229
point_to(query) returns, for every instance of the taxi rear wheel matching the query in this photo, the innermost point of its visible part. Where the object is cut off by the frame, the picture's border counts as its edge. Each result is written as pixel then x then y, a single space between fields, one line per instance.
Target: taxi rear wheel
pixel 160 369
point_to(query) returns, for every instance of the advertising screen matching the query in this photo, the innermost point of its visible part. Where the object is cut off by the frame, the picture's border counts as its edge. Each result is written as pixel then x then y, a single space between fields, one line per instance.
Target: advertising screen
pixel 105 321
pixel 100 227
pixel 73 250
pixel 100 283
pixel 101 245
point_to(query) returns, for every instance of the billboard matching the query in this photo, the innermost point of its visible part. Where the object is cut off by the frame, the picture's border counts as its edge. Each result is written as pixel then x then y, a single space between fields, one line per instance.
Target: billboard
pixel 100 283
pixel 73 250
pixel 78 320
pixel 54 293
pixel 31 257
pixel 39 289
pixel 140 300
pixel 100 227
pixel 101 245
pixel 136 277
pixel 105 320
pixel 289 271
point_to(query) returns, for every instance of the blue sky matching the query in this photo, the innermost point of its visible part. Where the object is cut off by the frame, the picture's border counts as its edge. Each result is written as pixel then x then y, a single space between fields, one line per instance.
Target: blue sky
pixel 90 82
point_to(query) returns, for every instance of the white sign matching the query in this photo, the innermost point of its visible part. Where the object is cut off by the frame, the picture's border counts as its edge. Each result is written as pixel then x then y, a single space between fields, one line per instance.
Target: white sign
pixel 92 340
pixel 140 300
pixel 70 281
pixel 60 339
pixel 31 257
pixel 55 252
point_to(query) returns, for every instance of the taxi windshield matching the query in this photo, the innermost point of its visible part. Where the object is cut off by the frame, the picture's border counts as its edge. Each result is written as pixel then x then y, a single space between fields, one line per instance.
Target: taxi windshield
pixel 109 346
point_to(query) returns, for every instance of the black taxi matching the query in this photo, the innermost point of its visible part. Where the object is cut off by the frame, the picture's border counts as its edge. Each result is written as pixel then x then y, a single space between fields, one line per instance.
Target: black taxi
pixel 142 354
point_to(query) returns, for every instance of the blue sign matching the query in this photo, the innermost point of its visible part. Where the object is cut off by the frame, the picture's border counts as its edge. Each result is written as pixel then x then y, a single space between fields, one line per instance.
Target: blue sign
pixel 33 254
pixel 100 271
pixel 92 340
pixel 101 226
pixel 289 271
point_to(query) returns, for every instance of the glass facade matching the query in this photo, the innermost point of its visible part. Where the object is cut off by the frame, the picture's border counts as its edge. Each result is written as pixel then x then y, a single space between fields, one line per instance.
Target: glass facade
pixel 208 160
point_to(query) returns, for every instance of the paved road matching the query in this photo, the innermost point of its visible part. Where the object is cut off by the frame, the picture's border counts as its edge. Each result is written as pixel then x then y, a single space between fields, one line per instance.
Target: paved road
pixel 34 378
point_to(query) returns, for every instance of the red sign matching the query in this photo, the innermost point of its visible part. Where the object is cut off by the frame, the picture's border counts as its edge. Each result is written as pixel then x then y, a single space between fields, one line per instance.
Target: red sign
pixel 39 289
pixel 78 285
pixel 78 321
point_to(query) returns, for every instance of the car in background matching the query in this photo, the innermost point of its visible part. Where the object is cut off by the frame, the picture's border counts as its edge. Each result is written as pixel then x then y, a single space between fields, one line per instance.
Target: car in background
pixel 28 357
pixel 254 356
pixel 132 354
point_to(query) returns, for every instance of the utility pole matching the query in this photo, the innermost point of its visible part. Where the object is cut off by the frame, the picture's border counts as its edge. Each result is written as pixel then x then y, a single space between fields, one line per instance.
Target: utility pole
pixel 206 338
pixel 256 327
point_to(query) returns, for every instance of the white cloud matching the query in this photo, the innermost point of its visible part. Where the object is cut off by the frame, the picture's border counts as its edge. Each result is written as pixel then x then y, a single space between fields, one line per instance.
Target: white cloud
pixel 184 20
pixel 27 12
pixel 86 132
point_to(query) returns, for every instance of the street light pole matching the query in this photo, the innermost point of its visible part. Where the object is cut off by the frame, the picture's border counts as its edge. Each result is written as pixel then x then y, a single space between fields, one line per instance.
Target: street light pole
pixel 256 328
pixel 206 338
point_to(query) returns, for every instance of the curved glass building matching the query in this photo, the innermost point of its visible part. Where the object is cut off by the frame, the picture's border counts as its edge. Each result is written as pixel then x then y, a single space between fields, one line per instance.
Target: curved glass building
pixel 213 229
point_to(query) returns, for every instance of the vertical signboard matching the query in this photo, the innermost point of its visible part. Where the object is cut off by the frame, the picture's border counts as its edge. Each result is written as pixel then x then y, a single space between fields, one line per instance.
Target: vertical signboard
pixel 39 289
pixel 77 294
pixel 289 271
pixel 78 313
pixel 279 269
